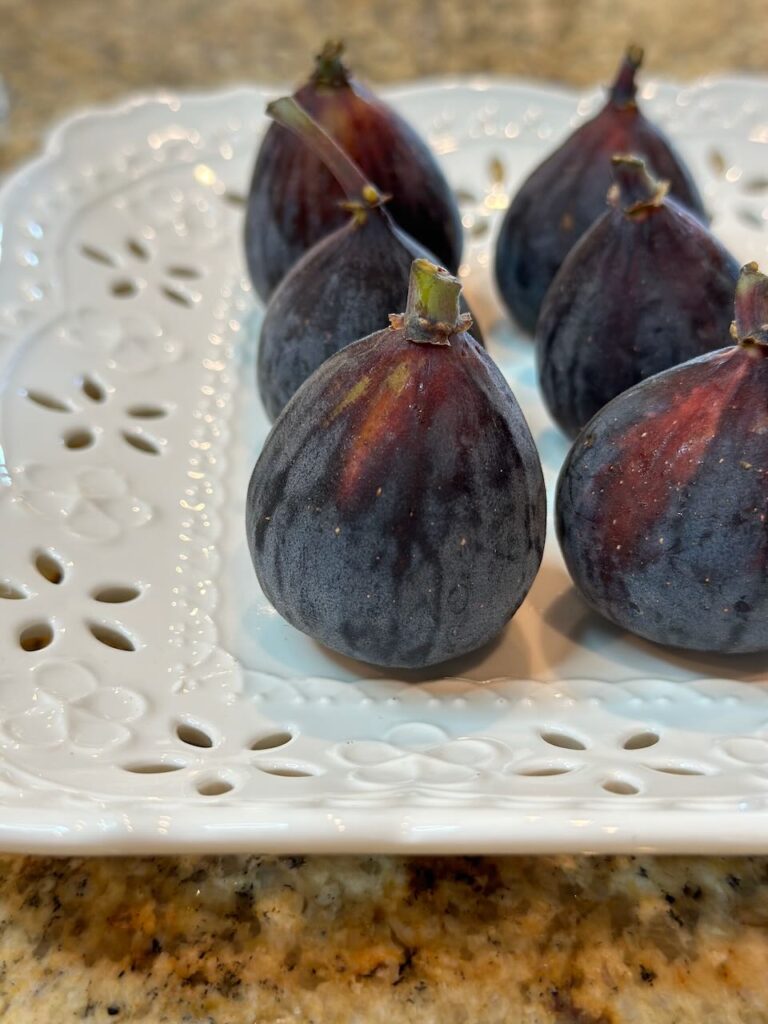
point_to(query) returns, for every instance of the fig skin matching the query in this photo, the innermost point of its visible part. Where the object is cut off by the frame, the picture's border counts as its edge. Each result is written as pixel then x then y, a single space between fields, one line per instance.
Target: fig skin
pixel 661 504
pixel 566 193
pixel 294 200
pixel 646 287
pixel 397 511
pixel 343 288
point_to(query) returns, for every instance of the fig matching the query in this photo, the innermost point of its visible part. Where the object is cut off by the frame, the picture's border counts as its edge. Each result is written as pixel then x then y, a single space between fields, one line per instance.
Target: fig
pixel 294 199
pixel 397 511
pixel 566 193
pixel 344 287
pixel 645 288
pixel 661 504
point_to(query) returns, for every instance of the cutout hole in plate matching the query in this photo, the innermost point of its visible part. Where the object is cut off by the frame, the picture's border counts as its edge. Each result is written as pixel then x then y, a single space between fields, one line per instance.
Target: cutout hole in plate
pixel 49 567
pixel 91 252
pixel 78 438
pixel 137 248
pixel 142 442
pixel 193 735
pixel 123 288
pixel 285 772
pixel 112 636
pixel 36 637
pixel 675 769
pixel 10 592
pixel 47 401
pixel 234 199
pixel 641 740
pixel 184 273
pixel 545 771
pixel 174 295
pixel 269 742
pixel 92 389
pixel 563 740
pixel 153 767
pixel 214 786
pixel 116 593
pixel 621 787
pixel 147 412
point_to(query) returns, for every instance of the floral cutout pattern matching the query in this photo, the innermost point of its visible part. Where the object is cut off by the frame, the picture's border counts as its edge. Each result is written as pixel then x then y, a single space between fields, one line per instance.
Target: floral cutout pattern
pixel 66 703
pixel 53 571
pixel 94 400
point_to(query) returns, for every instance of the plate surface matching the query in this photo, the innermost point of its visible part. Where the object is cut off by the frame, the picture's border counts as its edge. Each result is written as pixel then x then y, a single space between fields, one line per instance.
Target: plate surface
pixel 150 698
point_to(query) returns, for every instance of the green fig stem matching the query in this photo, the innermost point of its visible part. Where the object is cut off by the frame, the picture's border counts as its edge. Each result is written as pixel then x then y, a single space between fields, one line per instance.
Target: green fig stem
pixel 330 70
pixel 751 324
pixel 291 115
pixel 624 88
pixel 635 190
pixel 432 311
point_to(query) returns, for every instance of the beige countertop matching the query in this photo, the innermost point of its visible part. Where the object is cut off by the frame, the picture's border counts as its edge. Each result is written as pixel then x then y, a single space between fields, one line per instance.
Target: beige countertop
pixel 383 940
pixel 250 940
pixel 59 56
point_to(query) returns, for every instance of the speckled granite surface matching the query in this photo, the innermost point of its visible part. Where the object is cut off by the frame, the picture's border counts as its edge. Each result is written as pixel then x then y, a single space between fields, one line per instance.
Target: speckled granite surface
pixel 364 940
pixel 58 56
pixel 242 940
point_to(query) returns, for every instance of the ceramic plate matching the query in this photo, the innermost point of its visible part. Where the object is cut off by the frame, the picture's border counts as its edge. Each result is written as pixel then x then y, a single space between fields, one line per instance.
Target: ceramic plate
pixel 150 698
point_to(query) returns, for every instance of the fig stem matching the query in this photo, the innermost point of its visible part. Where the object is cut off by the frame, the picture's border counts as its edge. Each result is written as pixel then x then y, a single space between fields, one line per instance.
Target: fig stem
pixel 636 189
pixel 433 293
pixel 432 311
pixel 291 115
pixel 624 88
pixel 330 70
pixel 751 323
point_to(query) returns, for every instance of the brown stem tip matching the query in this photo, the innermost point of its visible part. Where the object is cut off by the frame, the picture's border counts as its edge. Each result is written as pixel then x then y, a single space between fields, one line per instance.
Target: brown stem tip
pixel 635 190
pixel 624 88
pixel 330 70
pixel 751 306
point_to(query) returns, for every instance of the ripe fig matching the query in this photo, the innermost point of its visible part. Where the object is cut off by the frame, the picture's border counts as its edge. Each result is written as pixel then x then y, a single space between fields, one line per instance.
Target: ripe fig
pixel 662 501
pixel 344 287
pixel 645 288
pixel 566 193
pixel 294 199
pixel 397 510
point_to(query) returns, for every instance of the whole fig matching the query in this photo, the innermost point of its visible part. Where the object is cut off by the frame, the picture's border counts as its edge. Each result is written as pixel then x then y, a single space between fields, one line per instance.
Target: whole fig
pixel 397 510
pixel 662 502
pixel 566 193
pixel 294 199
pixel 646 287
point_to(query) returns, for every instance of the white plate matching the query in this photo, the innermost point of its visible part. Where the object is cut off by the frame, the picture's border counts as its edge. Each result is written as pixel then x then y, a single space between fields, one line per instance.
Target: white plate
pixel 124 317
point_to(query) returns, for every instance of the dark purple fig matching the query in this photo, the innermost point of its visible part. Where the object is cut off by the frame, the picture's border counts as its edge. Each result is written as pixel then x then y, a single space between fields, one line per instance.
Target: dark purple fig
pixel 344 287
pixel 646 287
pixel 294 199
pixel 662 501
pixel 397 510
pixel 566 193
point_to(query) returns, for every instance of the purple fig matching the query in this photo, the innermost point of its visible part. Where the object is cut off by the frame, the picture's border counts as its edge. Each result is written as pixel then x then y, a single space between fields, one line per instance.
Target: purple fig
pixel 343 288
pixel 662 501
pixel 566 193
pixel 397 510
pixel 645 288
pixel 294 199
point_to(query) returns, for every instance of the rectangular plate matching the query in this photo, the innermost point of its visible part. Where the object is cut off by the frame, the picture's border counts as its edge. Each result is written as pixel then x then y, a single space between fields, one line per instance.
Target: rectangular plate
pixel 150 698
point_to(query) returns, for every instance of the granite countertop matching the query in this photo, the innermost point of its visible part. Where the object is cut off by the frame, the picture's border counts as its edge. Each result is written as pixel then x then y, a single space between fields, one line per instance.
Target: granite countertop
pixel 262 940
pixel 363 940
pixel 59 56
